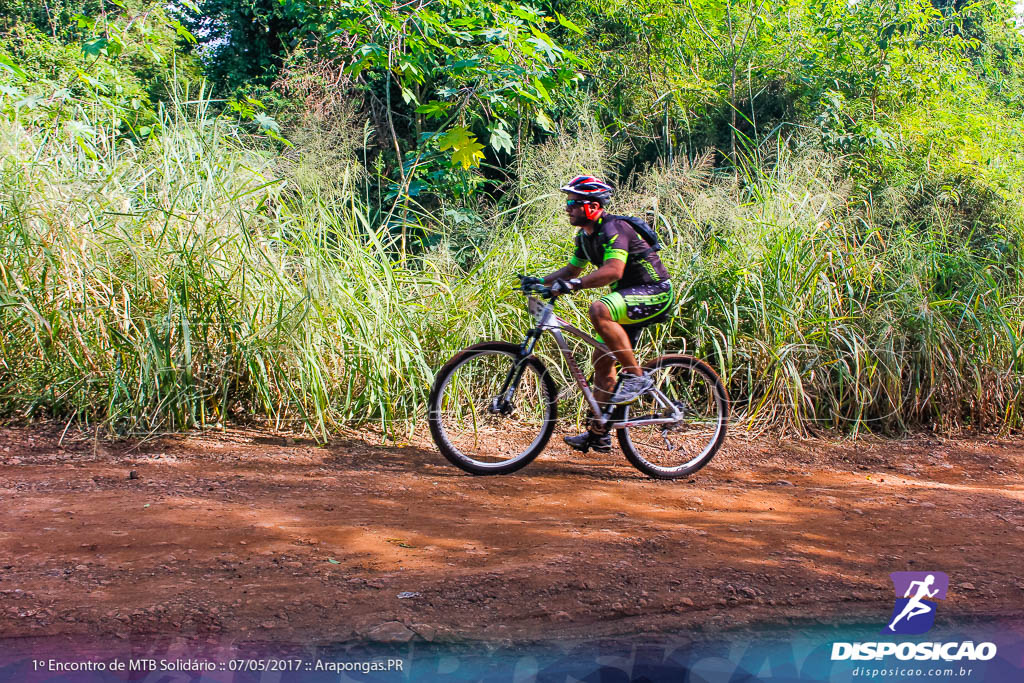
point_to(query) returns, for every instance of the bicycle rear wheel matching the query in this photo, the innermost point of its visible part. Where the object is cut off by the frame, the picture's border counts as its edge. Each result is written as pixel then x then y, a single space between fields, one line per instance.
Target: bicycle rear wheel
pixel 474 434
pixel 670 451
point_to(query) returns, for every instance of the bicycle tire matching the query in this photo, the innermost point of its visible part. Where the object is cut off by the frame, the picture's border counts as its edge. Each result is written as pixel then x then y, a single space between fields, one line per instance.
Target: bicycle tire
pixel 700 391
pixel 498 431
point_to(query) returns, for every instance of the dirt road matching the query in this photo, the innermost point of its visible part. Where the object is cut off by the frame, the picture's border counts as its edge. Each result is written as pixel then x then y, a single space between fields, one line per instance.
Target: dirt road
pixel 253 535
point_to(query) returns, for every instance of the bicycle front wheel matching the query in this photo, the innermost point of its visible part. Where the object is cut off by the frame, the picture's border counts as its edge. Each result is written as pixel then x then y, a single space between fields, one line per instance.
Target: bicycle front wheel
pixel 471 425
pixel 670 451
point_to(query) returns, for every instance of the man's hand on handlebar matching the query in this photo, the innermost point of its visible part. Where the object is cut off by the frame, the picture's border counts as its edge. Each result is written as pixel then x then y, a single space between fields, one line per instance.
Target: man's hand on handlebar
pixel 535 285
pixel 560 286
pixel 530 281
pixel 529 284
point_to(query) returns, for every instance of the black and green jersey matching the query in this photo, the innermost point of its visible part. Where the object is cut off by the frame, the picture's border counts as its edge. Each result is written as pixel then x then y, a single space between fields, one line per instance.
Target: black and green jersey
pixel 616 239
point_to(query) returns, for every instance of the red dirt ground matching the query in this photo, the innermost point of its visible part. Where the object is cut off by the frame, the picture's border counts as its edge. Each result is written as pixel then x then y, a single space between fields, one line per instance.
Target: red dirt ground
pixel 253 535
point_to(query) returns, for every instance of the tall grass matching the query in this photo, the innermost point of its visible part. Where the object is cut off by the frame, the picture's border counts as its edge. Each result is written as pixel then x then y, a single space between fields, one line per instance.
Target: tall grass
pixel 202 277
pixel 825 310
pixel 191 281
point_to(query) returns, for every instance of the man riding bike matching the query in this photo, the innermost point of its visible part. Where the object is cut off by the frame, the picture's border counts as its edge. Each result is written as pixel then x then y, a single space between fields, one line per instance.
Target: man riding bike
pixel 641 294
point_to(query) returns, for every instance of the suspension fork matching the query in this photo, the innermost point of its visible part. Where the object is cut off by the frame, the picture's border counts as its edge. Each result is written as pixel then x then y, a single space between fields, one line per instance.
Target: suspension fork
pixel 502 403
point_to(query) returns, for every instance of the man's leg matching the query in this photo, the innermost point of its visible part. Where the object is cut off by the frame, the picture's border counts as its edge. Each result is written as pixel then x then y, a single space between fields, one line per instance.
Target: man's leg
pixel 615 338
pixel 633 382
pixel 604 378
pixel 620 345
pixel 604 375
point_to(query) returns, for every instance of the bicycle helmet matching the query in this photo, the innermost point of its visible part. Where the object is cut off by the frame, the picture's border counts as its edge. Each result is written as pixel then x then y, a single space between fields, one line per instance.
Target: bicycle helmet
pixel 590 187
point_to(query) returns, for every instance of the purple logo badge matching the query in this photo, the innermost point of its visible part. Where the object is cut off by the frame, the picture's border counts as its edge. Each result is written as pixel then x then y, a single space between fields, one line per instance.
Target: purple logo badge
pixel 916 595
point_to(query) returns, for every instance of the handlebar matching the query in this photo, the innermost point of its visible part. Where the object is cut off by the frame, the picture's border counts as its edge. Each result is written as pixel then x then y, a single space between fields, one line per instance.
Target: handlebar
pixel 542 290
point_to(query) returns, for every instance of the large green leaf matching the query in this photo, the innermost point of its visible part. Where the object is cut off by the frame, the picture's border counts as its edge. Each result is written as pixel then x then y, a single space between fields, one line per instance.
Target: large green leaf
pixel 568 24
pixel 501 140
pixel 94 47
pixel 8 65
pixel 465 148
pixel 435 109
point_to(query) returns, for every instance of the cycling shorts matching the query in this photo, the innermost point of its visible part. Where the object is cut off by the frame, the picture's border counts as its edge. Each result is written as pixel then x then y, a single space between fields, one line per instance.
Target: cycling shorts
pixel 639 306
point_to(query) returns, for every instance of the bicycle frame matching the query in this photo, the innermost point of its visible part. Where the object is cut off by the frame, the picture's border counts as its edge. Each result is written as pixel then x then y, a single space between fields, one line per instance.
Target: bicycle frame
pixel 546 321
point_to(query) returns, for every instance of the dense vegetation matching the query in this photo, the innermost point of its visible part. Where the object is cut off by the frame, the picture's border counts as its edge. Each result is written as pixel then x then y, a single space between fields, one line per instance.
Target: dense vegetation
pixel 293 210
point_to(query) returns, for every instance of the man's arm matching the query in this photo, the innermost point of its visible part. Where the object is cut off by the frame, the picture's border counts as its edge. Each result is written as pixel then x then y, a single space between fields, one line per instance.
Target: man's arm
pixel 566 272
pixel 609 272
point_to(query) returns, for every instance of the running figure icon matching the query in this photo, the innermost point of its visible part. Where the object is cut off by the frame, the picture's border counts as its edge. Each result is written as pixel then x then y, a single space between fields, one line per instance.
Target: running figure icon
pixel 915 606
pixel 917 596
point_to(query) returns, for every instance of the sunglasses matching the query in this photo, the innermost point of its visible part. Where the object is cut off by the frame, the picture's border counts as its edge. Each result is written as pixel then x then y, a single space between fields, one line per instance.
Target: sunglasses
pixel 576 202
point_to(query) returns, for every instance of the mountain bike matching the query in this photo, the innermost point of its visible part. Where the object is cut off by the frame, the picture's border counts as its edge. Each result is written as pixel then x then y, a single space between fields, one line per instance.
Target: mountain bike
pixel 494 405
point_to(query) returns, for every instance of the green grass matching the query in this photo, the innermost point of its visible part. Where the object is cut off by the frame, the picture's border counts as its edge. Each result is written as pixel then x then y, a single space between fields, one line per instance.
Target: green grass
pixel 822 316
pixel 201 277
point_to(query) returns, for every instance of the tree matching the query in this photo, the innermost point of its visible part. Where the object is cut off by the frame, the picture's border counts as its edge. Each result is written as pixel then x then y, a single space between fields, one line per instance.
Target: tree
pixel 240 42
pixel 449 77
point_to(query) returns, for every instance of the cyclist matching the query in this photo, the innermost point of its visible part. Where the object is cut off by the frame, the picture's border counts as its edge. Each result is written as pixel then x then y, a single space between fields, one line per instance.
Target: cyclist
pixel 641 294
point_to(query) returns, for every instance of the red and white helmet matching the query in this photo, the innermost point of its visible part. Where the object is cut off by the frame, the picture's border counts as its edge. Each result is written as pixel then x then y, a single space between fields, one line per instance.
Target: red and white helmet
pixel 590 187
